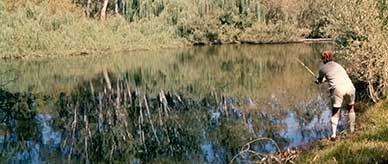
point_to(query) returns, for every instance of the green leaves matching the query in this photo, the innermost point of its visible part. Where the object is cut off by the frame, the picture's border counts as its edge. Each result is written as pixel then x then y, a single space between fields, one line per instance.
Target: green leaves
pixel 358 27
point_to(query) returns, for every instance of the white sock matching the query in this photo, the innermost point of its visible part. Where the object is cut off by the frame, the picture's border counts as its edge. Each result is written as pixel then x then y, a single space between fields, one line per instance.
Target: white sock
pixel 334 123
pixel 352 121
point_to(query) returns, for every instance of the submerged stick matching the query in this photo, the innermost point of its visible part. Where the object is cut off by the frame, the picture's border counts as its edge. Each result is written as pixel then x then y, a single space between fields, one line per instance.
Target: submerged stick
pixel 106 77
pixel 247 146
pixel 163 100
pixel 160 114
pixel 92 89
pixel 129 94
pixel 225 106
pixel 88 134
pixel 149 117
pixel 73 126
pixel 100 112
pixel 141 122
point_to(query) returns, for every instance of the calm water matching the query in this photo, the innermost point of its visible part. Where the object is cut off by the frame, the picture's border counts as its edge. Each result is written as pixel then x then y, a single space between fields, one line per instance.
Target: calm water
pixel 195 105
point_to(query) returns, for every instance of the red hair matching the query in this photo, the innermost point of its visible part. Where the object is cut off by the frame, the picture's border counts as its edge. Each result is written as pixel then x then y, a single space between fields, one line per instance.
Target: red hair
pixel 327 56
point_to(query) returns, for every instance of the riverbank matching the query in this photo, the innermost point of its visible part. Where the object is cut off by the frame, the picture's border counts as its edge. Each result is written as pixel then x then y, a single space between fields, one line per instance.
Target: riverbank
pixel 174 45
pixel 60 28
pixel 50 29
pixel 369 144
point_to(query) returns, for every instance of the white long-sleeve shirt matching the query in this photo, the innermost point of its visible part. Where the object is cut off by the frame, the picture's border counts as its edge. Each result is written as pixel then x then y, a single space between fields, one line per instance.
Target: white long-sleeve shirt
pixel 335 74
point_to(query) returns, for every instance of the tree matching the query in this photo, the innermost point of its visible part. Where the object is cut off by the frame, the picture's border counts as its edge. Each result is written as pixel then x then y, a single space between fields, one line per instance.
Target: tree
pixel 103 10
pixel 120 7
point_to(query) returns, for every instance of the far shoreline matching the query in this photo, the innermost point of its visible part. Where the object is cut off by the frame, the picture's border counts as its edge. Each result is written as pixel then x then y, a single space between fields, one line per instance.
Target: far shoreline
pixel 91 53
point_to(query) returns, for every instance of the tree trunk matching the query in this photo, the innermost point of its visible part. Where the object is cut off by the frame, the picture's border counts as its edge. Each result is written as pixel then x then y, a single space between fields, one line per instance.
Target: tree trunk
pixel 117 4
pixel 123 7
pixel 119 7
pixel 103 10
pixel 88 7
pixel 372 93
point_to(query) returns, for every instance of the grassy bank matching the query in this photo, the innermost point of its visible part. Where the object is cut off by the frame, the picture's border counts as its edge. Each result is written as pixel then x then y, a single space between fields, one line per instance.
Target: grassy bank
pixel 368 145
pixel 50 29
pixel 35 28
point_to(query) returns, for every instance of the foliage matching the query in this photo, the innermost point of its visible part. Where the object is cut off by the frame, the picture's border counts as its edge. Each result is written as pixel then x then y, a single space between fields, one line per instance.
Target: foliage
pixel 17 114
pixel 38 30
pixel 19 106
pixel 47 28
pixel 361 33
pixel 312 17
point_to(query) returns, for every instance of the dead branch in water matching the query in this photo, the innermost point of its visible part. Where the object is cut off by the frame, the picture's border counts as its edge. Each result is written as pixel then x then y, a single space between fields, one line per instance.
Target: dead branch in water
pixel 106 77
pixel 163 100
pixel 141 122
pixel 100 114
pixel 149 117
pixel 88 134
pixel 73 126
pixel 266 158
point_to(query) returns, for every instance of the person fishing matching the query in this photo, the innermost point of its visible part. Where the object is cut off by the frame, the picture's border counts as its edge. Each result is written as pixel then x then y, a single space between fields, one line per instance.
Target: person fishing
pixel 341 89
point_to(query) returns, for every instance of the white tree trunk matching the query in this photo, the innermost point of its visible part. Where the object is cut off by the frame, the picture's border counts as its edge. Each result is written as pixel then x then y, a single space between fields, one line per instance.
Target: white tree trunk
pixel 372 93
pixel 88 7
pixel 123 7
pixel 119 7
pixel 117 10
pixel 103 10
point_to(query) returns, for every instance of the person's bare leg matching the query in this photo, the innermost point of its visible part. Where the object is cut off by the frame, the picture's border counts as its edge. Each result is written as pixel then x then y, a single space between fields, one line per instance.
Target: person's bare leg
pixel 352 117
pixel 334 121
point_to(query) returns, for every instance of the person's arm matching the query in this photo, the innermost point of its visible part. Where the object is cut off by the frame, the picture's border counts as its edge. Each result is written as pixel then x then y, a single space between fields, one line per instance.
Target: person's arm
pixel 320 77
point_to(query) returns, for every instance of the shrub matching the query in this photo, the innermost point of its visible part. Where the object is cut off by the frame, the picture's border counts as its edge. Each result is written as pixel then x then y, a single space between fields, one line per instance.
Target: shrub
pixel 361 33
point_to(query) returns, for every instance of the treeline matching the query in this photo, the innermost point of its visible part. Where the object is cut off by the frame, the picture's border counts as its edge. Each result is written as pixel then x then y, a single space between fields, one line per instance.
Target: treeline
pixel 195 21
pixel 359 27
pixel 219 21
pixel 55 27
pixel 52 27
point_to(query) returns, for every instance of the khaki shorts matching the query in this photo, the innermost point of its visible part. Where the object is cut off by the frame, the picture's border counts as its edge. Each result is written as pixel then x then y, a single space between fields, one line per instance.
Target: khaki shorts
pixel 339 94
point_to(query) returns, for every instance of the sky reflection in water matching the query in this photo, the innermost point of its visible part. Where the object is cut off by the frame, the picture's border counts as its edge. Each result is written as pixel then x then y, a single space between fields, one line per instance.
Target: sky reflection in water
pixel 231 94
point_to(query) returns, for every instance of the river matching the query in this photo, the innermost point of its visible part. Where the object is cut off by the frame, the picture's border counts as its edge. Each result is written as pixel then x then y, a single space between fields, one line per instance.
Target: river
pixel 190 105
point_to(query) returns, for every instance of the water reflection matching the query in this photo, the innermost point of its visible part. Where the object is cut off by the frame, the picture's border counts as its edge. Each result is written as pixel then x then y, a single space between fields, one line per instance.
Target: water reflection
pixel 19 133
pixel 199 105
pixel 104 119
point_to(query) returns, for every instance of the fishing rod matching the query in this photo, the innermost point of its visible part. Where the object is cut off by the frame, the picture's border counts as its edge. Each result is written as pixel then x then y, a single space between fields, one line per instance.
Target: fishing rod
pixel 307 68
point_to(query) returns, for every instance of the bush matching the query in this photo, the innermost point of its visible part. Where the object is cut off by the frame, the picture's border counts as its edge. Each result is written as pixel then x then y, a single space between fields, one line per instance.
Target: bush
pixel 361 33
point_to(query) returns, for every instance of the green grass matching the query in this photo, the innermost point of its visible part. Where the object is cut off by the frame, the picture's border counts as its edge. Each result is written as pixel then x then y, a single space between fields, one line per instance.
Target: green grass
pixel 368 145
pixel 38 30
pixel 42 28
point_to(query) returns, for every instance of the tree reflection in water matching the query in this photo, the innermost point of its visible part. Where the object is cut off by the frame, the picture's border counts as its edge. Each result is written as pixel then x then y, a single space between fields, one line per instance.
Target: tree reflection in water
pixel 107 119
pixel 18 129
